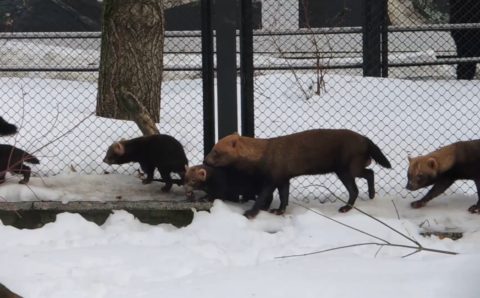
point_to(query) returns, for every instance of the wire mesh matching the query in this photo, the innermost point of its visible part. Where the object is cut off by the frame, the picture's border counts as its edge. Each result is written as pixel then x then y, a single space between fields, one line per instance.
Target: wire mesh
pixel 309 74
pixel 49 89
pixel 309 64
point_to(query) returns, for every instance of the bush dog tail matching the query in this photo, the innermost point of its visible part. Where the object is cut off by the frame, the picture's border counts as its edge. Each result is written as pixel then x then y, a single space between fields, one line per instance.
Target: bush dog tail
pixel 377 155
pixel 27 157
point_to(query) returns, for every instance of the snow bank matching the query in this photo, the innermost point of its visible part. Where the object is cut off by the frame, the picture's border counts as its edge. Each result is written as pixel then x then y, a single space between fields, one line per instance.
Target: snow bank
pixel 223 254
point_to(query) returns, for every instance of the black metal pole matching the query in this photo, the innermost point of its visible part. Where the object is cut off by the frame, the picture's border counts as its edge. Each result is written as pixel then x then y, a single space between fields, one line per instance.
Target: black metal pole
pixel 225 21
pixel 371 39
pixel 246 68
pixel 385 21
pixel 207 77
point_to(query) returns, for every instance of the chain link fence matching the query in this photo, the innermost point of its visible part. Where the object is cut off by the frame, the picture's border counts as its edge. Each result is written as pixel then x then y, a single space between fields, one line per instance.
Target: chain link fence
pixel 48 88
pixel 309 62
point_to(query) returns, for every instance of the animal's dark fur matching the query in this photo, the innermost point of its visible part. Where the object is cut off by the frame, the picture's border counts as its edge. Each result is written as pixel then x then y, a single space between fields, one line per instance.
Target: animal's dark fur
pixel 442 168
pixel 7 128
pixel 12 160
pixel 162 152
pixel 6 293
pixel 319 151
pixel 225 183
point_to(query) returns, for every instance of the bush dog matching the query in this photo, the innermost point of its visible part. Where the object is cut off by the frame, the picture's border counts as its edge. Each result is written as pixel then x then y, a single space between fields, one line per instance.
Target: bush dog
pixel 159 151
pixel 225 183
pixel 460 160
pixel 320 151
pixel 12 160
pixel 6 128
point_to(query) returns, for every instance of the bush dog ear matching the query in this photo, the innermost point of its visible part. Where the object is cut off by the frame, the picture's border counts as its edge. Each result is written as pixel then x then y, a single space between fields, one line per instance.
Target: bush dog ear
pixel 432 163
pixel 235 140
pixel 186 168
pixel 118 148
pixel 203 174
pixel 409 158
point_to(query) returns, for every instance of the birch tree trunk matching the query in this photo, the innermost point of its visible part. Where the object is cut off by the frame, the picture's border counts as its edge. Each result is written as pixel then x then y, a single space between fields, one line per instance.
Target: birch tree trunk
pixel 131 62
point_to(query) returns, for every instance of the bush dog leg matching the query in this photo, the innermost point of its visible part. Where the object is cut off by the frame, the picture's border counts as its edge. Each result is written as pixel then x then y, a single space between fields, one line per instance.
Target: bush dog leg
pixel 438 188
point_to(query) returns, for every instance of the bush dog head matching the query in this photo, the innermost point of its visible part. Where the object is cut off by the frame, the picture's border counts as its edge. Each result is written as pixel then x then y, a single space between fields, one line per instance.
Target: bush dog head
pixel 224 152
pixel 423 170
pixel 235 150
pixel 115 153
pixel 195 178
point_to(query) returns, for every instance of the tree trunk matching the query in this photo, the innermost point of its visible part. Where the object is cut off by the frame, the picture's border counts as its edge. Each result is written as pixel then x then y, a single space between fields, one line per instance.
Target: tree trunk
pixel 131 62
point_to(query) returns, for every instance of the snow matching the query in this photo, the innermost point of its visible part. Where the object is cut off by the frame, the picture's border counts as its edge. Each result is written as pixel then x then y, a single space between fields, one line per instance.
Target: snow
pixel 222 253
pixel 69 187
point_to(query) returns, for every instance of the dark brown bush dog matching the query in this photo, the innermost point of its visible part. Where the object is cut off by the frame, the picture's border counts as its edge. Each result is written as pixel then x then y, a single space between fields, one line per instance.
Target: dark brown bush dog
pixel 12 160
pixel 441 168
pixel 162 152
pixel 343 152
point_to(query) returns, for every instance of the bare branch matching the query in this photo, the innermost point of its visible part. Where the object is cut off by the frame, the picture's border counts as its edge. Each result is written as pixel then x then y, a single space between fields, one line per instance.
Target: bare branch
pixel 417 248
pixel 396 210
pixel 341 223
pixel 374 218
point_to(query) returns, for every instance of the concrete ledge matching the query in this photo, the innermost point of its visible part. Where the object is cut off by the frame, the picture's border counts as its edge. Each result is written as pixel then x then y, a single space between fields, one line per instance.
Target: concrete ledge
pixel 36 214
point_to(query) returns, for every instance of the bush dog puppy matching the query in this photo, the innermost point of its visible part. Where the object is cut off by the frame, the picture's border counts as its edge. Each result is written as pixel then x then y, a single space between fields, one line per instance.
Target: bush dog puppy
pixel 225 183
pixel 6 128
pixel 159 151
pixel 320 151
pixel 12 160
pixel 460 160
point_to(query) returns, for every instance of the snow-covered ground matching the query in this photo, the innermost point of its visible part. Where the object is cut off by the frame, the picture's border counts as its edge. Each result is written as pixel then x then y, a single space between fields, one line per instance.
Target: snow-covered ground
pixel 222 253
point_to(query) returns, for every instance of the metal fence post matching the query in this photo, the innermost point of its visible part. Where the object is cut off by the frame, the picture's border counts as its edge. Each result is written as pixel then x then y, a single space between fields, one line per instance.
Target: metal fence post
pixel 384 46
pixel 371 39
pixel 226 66
pixel 246 68
pixel 207 77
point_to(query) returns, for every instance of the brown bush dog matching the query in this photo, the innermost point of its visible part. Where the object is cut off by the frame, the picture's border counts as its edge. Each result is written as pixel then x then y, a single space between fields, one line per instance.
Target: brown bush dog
pixel 12 160
pixel 6 293
pixel 224 183
pixel 320 151
pixel 441 168
pixel 162 152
